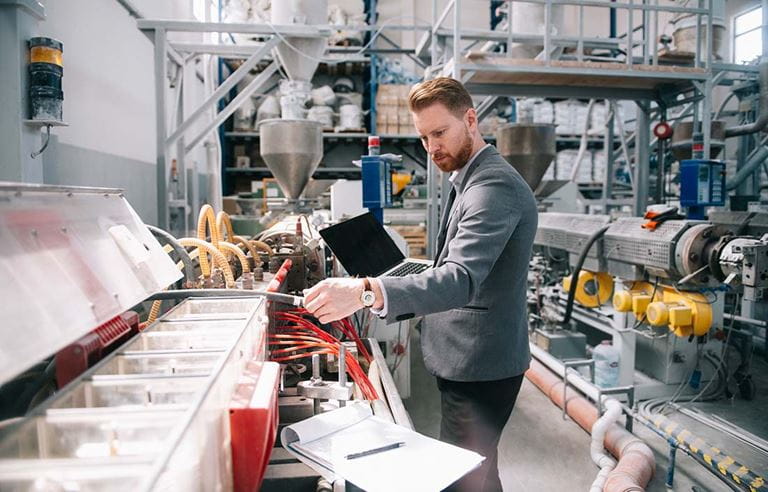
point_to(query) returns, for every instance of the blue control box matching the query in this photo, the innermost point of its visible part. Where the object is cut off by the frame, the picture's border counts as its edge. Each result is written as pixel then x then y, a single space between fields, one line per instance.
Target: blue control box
pixel 702 184
pixel 377 184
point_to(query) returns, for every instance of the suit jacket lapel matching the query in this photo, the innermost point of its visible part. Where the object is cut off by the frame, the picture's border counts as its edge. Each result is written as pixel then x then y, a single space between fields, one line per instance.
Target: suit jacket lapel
pixel 443 231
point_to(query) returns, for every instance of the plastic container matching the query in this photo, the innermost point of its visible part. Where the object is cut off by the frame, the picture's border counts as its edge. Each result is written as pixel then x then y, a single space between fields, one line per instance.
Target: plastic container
pixel 606 358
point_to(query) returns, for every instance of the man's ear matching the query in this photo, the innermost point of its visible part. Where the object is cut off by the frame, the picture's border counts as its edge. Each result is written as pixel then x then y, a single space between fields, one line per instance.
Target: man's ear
pixel 470 119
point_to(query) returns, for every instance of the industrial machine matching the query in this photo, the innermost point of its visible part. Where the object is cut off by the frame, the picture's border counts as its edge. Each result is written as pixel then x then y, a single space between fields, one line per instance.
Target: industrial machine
pixel 188 399
pixel 665 292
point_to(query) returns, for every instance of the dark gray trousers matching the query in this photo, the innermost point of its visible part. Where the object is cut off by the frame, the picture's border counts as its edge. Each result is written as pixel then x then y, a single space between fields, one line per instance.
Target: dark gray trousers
pixel 473 416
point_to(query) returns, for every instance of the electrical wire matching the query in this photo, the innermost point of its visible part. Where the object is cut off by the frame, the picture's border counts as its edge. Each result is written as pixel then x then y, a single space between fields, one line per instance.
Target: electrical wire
pixel 308 335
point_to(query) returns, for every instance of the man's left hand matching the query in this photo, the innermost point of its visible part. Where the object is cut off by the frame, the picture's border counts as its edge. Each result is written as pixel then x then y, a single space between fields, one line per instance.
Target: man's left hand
pixel 334 298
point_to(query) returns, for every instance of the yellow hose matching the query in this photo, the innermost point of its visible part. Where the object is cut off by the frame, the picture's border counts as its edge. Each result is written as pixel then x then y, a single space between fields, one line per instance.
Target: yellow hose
pixel 218 257
pixel 262 246
pixel 206 219
pixel 154 311
pixel 225 246
pixel 224 226
pixel 241 240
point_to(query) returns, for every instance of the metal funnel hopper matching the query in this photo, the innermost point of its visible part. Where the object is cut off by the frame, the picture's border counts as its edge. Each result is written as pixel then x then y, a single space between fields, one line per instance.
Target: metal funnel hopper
pixel 317 187
pixel 530 149
pixel 300 59
pixel 292 150
pixel 299 66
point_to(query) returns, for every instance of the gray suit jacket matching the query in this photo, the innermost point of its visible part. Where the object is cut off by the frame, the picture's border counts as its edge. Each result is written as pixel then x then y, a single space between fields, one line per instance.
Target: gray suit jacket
pixel 475 298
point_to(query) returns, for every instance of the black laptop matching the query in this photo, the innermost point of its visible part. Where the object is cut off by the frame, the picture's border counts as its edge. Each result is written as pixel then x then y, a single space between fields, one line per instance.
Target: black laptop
pixel 365 249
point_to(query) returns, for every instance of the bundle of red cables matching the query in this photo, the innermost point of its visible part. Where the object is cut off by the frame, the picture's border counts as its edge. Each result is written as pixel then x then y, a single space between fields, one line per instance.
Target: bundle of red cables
pixel 298 333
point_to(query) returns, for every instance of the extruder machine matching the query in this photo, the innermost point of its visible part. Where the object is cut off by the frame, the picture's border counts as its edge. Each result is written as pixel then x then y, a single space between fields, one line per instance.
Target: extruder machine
pixel 122 369
pixel 666 290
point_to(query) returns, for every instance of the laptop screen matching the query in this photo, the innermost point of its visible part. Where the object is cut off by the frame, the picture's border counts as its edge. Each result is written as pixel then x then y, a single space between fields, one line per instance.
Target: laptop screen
pixel 362 246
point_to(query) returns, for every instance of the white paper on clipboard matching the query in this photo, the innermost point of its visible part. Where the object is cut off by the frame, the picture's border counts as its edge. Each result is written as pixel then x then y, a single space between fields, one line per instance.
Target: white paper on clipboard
pixel 421 464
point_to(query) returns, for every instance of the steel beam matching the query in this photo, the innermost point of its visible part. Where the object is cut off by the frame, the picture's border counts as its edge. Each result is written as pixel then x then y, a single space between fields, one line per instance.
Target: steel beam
pixel 532 90
pixel 225 113
pixel 232 28
pixel 642 159
pixel 161 69
pixel 223 89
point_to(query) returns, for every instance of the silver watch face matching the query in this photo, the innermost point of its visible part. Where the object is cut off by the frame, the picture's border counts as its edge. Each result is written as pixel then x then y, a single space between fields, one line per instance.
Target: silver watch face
pixel 368 298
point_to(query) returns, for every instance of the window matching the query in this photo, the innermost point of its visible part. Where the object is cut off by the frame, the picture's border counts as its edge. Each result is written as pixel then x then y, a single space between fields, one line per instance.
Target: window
pixel 747 35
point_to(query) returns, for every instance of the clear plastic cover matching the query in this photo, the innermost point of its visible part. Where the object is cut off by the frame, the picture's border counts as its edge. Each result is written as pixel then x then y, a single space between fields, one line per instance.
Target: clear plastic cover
pixel 160 364
pixel 52 475
pixel 87 436
pixel 181 340
pixel 72 260
pixel 133 394
pixel 161 399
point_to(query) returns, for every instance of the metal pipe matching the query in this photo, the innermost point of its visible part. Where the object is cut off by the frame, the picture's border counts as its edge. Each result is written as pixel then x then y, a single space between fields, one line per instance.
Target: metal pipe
pixel 754 162
pixel 161 171
pixel 749 321
pixel 721 108
pixel 270 296
pixel 573 378
pixel 636 460
pixel 762 117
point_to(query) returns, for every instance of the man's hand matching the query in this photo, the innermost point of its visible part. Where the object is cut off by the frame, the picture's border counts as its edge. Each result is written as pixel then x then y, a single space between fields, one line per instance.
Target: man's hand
pixel 334 298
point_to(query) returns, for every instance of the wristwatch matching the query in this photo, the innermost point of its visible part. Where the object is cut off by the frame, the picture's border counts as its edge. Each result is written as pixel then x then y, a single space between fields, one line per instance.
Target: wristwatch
pixel 368 298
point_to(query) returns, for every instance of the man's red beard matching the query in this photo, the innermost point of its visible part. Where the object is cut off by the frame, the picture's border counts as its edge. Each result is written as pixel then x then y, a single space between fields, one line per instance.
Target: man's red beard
pixel 448 163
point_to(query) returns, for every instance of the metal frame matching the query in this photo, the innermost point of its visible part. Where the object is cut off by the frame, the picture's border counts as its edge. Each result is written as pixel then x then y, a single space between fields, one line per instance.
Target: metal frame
pixel 181 53
pixel 641 50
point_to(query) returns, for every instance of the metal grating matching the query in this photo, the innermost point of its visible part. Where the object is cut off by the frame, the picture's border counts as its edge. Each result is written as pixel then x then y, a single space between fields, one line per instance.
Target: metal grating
pixel 627 242
pixel 569 232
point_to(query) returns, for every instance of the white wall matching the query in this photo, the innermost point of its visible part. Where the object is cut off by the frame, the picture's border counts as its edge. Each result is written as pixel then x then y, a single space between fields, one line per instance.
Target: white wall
pixel 109 92
pixel 109 96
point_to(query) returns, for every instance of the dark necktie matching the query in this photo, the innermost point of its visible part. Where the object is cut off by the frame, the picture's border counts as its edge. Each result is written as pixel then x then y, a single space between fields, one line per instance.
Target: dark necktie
pixel 444 224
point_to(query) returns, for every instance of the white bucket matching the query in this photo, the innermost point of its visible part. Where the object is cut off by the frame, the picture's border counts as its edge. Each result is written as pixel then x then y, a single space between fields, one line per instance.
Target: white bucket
pixel 350 116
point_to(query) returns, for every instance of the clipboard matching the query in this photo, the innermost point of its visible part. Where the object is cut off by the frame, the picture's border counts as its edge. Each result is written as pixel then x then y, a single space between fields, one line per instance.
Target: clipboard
pixel 422 464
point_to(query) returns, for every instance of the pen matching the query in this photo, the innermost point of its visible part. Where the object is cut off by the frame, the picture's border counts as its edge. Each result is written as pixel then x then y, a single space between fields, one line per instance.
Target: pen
pixel 369 452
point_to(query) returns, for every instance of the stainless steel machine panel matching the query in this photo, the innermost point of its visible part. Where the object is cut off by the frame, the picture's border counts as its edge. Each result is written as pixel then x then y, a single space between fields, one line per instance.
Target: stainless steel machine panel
pixel 569 232
pixel 628 242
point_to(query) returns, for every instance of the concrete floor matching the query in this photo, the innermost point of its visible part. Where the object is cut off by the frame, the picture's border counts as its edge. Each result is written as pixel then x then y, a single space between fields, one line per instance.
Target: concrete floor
pixel 541 451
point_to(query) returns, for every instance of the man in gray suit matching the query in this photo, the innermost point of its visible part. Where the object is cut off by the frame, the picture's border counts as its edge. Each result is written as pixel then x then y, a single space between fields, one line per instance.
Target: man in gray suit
pixel 475 335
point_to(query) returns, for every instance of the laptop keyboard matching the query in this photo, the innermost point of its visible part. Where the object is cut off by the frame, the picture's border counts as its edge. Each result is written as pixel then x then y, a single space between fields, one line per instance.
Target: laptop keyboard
pixel 408 268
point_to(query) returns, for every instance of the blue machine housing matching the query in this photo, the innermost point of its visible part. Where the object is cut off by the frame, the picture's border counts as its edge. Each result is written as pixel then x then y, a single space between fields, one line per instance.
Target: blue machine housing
pixel 702 184
pixel 377 185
